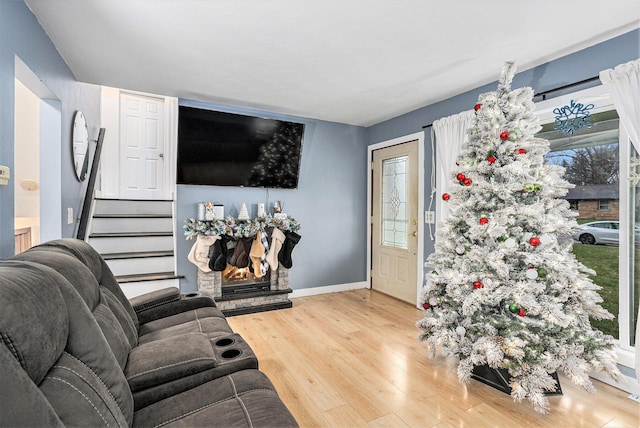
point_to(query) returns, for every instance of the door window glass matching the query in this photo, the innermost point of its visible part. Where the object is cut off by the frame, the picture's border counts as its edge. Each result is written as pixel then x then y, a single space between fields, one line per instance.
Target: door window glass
pixel 394 202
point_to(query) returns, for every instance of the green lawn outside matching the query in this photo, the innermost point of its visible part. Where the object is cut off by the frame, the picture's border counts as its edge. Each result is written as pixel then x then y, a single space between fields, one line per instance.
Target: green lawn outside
pixel 604 260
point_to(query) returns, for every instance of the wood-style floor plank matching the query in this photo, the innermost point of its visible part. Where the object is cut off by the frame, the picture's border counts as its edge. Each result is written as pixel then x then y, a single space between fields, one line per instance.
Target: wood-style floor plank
pixel 352 359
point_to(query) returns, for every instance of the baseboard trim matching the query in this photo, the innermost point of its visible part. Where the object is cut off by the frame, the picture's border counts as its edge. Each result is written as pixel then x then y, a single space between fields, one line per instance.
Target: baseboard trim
pixel 326 289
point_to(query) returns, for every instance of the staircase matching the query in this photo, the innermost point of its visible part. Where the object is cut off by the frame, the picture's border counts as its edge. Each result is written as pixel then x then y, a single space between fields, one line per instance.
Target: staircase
pixel 135 237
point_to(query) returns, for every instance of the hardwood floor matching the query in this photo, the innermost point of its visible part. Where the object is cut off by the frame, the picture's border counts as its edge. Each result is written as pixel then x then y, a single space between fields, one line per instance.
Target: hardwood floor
pixel 352 359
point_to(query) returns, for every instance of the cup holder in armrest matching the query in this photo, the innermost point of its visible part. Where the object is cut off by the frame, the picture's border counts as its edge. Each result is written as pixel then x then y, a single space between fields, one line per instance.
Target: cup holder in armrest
pixel 231 353
pixel 225 342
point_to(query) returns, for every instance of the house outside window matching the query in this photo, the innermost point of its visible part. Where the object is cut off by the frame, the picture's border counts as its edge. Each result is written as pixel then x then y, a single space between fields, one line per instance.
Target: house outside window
pixel 603 205
pixel 573 205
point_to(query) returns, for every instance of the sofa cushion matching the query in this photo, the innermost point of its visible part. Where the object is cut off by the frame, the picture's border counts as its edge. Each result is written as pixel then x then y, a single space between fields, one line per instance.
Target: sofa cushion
pixel 22 404
pixel 168 359
pixel 118 330
pixel 33 321
pixel 92 259
pixel 41 312
pixel 181 318
pixel 242 399
pixel 211 326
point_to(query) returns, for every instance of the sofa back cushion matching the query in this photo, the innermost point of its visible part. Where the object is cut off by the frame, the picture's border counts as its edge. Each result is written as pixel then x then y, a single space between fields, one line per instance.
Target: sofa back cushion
pixel 96 264
pixel 49 331
pixel 116 326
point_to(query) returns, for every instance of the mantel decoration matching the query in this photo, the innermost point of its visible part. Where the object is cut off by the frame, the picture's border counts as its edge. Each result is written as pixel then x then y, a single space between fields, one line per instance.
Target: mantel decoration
pixel 235 229
pixel 507 295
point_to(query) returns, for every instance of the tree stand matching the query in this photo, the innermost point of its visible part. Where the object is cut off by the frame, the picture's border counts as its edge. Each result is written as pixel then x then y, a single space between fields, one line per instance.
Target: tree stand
pixel 500 379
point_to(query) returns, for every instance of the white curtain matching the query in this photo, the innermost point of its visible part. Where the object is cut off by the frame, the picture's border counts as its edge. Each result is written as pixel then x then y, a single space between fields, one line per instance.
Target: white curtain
pixel 623 83
pixel 450 135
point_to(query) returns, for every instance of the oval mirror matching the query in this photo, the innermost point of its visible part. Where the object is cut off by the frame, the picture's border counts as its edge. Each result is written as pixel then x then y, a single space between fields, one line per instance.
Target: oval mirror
pixel 80 145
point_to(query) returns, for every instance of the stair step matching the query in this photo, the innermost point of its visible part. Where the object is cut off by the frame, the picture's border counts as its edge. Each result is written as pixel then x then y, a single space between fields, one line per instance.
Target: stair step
pixel 137 255
pixel 132 224
pixel 125 244
pixel 135 266
pixel 158 276
pixel 128 234
pixel 132 216
pixel 130 206
pixel 137 288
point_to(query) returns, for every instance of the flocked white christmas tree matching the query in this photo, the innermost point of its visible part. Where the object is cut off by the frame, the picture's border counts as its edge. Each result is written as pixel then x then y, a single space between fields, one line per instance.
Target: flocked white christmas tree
pixel 506 290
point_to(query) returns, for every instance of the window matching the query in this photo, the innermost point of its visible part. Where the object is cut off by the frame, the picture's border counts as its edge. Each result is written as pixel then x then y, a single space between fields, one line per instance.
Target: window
pixel 573 205
pixel 604 184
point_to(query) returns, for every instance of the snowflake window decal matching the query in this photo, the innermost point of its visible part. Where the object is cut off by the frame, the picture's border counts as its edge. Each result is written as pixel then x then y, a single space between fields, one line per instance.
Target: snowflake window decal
pixel 572 117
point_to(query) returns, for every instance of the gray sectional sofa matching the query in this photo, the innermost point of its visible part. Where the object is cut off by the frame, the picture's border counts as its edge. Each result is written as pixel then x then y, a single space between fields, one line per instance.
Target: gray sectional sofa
pixel 74 351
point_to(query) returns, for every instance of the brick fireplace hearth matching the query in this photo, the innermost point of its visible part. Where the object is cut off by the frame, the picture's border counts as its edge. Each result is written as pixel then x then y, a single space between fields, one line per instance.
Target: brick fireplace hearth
pixel 247 300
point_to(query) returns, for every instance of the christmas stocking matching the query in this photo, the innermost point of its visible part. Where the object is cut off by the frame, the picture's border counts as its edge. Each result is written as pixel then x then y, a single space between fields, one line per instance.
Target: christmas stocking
pixel 257 254
pixel 277 238
pixel 218 259
pixel 284 257
pixel 199 254
pixel 240 256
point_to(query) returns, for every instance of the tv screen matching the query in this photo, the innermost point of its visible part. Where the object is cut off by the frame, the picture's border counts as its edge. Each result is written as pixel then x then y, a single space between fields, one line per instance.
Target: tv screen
pixel 225 149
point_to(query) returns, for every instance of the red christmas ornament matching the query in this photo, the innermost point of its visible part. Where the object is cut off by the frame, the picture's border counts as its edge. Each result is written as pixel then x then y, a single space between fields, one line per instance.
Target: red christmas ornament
pixel 446 196
pixel 504 135
pixel 491 159
pixel 425 305
pixel 467 182
pixel 521 151
pixel 477 107
pixel 534 241
pixel 484 220
pixel 522 313
pixel 460 176
pixel 477 284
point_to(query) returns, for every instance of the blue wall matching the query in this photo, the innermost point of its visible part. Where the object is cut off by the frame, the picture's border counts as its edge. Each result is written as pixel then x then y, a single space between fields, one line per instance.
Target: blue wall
pixel 572 68
pixel 330 203
pixel 21 35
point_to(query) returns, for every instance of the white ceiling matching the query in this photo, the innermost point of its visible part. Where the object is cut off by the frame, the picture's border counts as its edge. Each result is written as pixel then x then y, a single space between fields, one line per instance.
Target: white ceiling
pixel 357 62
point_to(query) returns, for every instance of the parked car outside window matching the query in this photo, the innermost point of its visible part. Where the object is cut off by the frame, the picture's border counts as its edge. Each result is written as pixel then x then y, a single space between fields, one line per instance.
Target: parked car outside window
pixel 602 232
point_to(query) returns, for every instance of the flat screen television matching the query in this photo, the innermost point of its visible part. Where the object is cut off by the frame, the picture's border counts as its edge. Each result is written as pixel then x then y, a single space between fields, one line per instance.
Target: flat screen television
pixel 226 149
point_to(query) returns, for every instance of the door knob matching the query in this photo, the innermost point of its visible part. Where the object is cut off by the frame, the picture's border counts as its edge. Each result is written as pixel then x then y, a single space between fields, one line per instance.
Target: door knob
pixel 414 233
pixel 161 155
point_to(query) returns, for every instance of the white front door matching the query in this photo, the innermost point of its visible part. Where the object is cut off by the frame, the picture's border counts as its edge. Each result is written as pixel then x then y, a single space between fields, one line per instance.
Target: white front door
pixel 142 147
pixel 395 221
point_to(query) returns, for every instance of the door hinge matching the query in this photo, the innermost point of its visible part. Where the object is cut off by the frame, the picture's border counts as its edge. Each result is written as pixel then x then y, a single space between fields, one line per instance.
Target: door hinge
pixel 371 219
pixel 372 165
pixel 371 273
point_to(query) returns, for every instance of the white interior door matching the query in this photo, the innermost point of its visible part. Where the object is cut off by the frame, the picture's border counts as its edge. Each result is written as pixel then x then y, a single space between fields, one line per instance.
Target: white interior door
pixel 142 147
pixel 395 221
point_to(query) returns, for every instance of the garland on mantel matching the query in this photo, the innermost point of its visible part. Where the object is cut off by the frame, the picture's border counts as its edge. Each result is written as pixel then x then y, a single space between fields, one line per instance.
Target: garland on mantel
pixel 235 228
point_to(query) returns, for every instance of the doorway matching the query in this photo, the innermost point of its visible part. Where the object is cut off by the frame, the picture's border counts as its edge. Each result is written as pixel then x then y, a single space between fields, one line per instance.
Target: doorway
pixel 142 146
pixel 396 220
pixel 37 135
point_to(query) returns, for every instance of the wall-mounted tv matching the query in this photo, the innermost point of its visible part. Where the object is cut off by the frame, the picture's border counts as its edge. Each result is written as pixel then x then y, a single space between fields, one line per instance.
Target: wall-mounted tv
pixel 225 149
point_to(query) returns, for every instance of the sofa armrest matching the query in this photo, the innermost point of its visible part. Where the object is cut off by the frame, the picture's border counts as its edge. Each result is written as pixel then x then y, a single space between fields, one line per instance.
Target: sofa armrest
pixel 162 361
pixel 179 303
pixel 155 298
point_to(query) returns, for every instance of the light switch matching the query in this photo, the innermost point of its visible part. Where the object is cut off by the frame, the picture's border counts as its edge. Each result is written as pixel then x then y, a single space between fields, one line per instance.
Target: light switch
pixel 69 215
pixel 5 174
pixel 430 217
